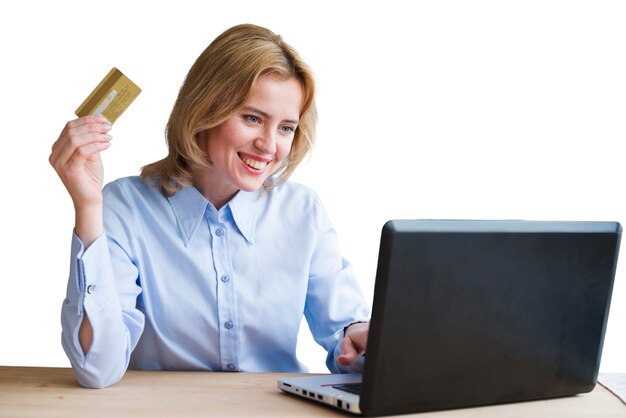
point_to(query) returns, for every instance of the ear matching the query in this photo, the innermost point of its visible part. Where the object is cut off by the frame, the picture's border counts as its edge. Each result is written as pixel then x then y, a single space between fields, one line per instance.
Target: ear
pixel 202 139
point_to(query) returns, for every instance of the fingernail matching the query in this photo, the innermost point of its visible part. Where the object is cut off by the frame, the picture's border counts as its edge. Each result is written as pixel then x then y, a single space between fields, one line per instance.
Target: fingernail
pixel 103 120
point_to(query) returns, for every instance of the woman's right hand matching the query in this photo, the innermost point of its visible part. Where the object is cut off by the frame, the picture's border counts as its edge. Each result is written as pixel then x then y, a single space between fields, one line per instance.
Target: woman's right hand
pixel 76 158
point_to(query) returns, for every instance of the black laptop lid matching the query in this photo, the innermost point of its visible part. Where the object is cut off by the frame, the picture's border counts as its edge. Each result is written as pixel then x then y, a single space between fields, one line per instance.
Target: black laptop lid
pixel 480 312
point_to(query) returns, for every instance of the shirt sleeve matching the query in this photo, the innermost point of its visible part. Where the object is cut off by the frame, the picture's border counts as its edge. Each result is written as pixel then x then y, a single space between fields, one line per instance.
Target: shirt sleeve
pixel 103 284
pixel 334 297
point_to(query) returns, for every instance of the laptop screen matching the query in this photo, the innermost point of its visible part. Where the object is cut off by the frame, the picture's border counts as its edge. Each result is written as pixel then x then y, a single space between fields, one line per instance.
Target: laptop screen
pixel 482 312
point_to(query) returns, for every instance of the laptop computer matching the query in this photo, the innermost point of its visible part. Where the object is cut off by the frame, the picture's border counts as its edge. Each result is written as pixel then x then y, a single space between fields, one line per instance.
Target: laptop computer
pixel 470 313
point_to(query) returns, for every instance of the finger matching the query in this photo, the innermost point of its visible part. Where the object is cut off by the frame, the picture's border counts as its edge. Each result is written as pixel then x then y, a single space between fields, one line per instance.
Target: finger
pixel 89 119
pixel 77 128
pixel 81 154
pixel 68 142
pixel 86 124
pixel 63 155
pixel 82 126
pixel 78 158
pixel 65 151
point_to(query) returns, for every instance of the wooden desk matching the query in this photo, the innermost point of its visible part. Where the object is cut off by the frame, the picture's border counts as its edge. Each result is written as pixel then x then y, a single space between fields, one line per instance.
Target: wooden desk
pixel 53 392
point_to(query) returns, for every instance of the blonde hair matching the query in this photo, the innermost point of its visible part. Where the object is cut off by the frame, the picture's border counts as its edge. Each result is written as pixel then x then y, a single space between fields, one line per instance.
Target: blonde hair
pixel 218 85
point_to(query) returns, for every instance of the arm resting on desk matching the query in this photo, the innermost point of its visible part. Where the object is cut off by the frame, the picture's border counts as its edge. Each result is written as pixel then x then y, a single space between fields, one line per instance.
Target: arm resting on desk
pixel 93 291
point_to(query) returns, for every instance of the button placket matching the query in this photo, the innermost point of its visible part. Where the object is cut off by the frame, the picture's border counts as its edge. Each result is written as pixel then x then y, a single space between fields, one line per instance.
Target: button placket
pixel 226 298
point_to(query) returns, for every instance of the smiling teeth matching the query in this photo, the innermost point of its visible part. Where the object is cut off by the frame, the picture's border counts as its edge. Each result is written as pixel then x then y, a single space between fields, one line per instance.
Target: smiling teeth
pixel 253 163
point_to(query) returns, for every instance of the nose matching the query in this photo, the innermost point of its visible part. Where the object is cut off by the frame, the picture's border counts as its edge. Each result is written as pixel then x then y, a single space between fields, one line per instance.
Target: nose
pixel 266 141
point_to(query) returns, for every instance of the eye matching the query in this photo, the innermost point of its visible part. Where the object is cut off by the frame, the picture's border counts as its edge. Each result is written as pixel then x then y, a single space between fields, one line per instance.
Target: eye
pixel 252 118
pixel 287 129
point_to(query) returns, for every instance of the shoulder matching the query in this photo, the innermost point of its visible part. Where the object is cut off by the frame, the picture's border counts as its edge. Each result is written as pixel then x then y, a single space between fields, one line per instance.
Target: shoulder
pixel 292 189
pixel 290 194
pixel 294 202
pixel 133 191
pixel 126 184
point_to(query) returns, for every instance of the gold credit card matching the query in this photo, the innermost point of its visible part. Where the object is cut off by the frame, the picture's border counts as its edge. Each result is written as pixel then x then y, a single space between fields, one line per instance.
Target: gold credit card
pixel 111 97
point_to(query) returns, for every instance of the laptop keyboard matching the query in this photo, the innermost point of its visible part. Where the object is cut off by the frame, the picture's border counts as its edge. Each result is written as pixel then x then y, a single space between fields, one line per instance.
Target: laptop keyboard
pixel 350 387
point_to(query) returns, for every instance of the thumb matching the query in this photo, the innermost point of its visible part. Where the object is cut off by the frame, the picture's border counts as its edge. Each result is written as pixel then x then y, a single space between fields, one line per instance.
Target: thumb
pixel 349 352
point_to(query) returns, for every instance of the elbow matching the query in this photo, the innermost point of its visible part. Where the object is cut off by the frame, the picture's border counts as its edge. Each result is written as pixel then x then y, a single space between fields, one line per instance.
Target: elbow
pixel 91 379
pixel 98 368
pixel 92 375
pixel 91 383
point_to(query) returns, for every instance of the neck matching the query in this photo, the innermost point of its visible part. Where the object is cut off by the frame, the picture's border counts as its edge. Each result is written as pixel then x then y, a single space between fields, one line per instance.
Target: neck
pixel 219 195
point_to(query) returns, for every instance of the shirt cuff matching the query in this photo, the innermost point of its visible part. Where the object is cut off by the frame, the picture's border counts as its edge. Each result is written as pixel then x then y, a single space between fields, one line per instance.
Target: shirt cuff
pixel 93 287
pixel 98 283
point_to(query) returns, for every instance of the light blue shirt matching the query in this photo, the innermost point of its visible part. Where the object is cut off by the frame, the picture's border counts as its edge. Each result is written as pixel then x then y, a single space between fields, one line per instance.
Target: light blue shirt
pixel 175 284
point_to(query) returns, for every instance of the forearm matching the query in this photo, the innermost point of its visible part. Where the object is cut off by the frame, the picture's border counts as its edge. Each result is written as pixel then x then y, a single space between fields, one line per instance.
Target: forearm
pixel 85 334
pixel 106 359
pixel 98 335
pixel 88 227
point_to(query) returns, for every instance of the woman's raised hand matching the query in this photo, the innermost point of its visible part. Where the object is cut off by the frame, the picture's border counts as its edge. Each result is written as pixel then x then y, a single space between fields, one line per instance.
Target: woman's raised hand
pixel 76 158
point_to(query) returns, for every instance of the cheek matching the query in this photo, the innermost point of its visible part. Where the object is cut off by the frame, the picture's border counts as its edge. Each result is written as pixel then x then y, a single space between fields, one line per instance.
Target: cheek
pixel 283 148
pixel 219 140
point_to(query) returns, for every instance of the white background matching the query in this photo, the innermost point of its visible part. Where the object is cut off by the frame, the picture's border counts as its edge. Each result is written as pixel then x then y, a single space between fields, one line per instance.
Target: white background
pixel 440 109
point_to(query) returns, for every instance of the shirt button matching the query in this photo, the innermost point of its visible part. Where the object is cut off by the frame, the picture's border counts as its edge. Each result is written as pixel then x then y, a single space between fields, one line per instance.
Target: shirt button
pixel 225 278
pixel 231 367
pixel 228 324
pixel 91 288
pixel 219 232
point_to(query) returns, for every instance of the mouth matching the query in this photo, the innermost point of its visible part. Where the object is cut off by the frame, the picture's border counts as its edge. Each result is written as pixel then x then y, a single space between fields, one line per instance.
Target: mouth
pixel 254 164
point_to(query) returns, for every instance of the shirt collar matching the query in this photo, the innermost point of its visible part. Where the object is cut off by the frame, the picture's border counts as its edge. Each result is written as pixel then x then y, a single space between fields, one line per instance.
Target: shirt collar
pixel 243 207
pixel 189 207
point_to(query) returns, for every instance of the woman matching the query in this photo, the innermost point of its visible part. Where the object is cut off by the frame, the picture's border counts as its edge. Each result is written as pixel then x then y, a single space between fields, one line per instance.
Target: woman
pixel 209 259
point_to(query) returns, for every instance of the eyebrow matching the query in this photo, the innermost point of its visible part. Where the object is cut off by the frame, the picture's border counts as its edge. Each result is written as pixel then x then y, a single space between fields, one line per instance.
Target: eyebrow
pixel 266 115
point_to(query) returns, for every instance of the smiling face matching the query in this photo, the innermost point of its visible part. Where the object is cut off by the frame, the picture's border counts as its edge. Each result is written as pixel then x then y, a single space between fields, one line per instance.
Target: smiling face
pixel 248 147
